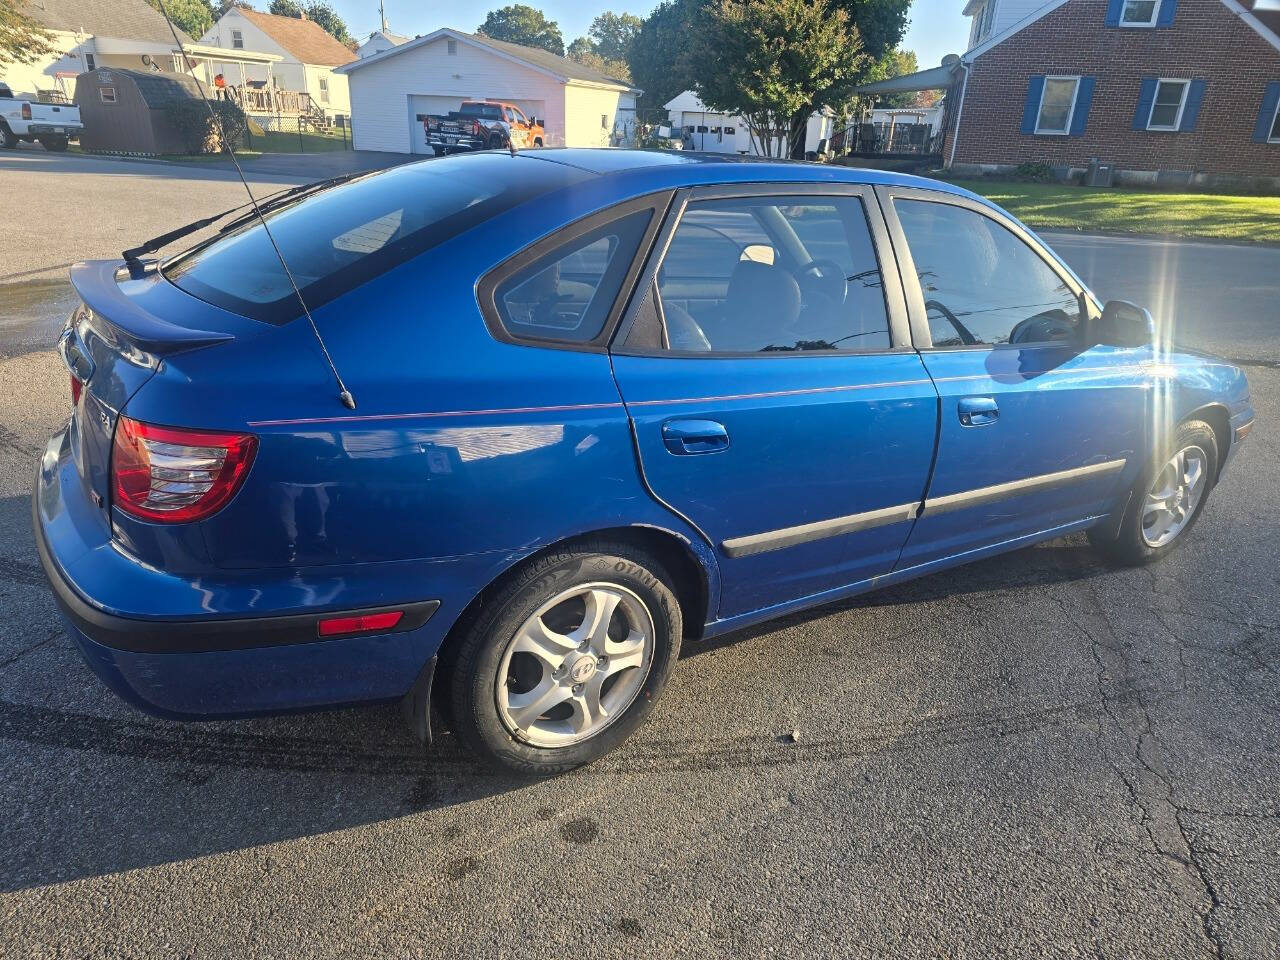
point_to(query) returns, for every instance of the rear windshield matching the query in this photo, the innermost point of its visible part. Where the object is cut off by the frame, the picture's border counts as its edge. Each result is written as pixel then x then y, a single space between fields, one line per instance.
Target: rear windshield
pixel 486 111
pixel 337 239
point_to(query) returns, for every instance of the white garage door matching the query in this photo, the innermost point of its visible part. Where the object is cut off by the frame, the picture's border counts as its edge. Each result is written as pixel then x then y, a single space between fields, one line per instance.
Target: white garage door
pixel 420 105
pixel 423 104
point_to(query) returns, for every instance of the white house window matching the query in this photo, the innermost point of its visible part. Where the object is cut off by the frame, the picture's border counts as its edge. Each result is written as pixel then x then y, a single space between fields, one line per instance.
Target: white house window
pixel 324 89
pixel 453 48
pixel 1139 13
pixel 1166 106
pixel 89 62
pixel 237 40
pixel 604 121
pixel 1057 104
pixel 1275 127
pixel 107 94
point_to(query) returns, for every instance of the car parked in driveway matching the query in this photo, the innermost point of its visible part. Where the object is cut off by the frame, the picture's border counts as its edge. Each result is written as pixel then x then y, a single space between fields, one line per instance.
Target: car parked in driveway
pixel 606 402
pixel 27 118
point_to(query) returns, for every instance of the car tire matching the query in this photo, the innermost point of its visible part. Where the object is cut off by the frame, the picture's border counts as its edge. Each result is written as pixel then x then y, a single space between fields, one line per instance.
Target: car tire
pixel 7 139
pixel 537 141
pixel 497 142
pixel 493 685
pixel 438 151
pixel 1148 531
pixel 54 144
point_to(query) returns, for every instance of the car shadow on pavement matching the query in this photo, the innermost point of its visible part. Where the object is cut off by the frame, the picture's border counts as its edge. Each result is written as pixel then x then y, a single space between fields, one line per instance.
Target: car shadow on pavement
pixel 1065 560
pixel 95 788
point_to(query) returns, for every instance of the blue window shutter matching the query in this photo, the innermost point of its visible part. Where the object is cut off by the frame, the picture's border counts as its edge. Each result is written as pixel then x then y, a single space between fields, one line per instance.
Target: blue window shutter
pixel 1267 115
pixel 1145 96
pixel 1167 9
pixel 1191 109
pixel 1031 112
pixel 1113 12
pixel 1084 100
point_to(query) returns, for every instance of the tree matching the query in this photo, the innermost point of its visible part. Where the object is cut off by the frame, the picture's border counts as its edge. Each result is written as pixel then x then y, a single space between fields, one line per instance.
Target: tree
pixel 192 17
pixel 22 38
pixel 525 25
pixel 286 8
pixel 581 51
pixel 661 52
pixel 612 34
pixel 897 63
pixel 774 59
pixel 329 21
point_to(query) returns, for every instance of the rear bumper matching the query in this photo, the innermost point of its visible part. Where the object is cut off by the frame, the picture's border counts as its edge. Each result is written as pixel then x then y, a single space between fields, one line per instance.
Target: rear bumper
pixel 457 143
pixel 54 129
pixel 219 665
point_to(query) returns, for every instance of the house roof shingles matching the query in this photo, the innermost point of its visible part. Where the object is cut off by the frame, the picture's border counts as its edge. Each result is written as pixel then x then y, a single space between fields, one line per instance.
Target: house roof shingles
pixel 306 40
pixel 124 19
pixel 547 60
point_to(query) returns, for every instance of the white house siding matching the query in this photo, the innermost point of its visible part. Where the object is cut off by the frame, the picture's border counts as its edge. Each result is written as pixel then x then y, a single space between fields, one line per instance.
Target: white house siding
pixel 1006 14
pixel 584 107
pixel 380 91
pixel 289 74
pixel 70 58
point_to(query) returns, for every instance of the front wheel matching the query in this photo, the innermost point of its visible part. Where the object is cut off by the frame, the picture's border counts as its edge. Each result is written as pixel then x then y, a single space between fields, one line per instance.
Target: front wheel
pixel 7 139
pixel 1167 499
pixel 54 144
pixel 566 660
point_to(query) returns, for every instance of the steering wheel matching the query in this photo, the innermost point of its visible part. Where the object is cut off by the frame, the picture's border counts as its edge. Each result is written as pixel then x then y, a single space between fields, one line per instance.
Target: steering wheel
pixel 966 337
pixel 825 277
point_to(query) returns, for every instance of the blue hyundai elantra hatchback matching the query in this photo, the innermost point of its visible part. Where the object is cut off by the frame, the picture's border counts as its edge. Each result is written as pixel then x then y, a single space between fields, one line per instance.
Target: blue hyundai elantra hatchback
pixel 604 401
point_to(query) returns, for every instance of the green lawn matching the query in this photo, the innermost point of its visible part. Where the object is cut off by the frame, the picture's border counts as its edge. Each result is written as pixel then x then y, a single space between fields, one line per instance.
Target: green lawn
pixel 1051 206
pixel 291 142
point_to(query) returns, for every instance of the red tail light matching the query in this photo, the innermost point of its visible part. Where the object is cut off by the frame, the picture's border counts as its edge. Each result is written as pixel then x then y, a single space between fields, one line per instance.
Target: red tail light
pixel 76 387
pixel 174 475
pixel 476 128
pixel 26 111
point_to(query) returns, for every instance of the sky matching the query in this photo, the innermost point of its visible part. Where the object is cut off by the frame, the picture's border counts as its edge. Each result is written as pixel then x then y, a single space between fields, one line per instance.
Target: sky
pixel 937 28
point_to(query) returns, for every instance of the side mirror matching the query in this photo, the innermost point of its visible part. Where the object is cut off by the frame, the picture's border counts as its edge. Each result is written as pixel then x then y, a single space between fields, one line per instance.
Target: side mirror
pixel 1124 324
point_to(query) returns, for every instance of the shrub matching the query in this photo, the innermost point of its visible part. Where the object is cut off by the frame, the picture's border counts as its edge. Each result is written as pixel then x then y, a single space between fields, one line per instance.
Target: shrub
pixel 197 129
pixel 1034 172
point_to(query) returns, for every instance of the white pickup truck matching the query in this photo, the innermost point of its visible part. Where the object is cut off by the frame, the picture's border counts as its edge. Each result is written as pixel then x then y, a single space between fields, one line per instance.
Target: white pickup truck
pixel 53 124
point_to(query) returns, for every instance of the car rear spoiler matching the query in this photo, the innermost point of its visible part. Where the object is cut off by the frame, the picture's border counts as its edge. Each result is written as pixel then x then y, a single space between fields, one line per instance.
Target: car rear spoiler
pixel 96 283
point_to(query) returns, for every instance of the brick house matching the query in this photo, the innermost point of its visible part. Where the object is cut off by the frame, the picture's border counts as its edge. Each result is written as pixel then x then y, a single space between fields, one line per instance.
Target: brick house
pixel 1168 91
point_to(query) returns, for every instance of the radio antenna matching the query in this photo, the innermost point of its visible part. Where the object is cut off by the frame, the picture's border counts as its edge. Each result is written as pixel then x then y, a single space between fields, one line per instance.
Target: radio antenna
pixel 344 394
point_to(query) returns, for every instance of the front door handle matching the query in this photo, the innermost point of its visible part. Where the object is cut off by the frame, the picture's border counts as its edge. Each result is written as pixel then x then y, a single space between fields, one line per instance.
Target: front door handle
pixel 694 436
pixel 977 411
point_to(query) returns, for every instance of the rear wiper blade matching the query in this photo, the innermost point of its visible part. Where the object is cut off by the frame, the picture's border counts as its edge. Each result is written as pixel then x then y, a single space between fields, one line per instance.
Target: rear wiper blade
pixel 277 200
pixel 133 256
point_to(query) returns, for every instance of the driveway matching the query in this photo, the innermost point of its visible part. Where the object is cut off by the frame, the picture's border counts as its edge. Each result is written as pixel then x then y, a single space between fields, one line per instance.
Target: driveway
pixel 1033 755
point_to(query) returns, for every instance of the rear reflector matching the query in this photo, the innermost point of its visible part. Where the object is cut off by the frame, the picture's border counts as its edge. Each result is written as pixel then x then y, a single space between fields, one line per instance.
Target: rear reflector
pixel 366 623
pixel 174 475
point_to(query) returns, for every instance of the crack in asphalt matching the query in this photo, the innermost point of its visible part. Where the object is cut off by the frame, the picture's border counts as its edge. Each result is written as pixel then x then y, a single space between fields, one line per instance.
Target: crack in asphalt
pixel 1162 816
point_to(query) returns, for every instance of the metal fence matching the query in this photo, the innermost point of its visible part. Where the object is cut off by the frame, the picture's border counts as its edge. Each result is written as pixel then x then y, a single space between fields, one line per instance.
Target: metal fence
pixel 281 133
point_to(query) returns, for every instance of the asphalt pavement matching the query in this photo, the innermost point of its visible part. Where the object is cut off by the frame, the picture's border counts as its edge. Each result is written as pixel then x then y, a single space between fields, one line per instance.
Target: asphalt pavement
pixel 1033 755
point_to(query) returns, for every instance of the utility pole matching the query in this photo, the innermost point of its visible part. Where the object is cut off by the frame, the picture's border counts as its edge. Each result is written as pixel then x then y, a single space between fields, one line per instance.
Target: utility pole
pixel 382 9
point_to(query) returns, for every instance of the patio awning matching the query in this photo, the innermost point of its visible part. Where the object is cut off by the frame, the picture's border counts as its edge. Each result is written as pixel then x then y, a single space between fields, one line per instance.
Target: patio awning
pixel 935 78
pixel 228 55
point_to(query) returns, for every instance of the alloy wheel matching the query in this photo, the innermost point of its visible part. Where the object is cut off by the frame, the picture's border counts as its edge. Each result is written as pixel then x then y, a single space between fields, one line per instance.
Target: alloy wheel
pixel 575 665
pixel 1174 495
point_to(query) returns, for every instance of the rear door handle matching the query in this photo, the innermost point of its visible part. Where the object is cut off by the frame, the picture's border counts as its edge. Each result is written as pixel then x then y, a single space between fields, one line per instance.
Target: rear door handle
pixel 977 411
pixel 683 437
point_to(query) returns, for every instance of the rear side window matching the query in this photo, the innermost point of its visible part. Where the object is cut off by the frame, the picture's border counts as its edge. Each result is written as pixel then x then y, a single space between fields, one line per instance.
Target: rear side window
pixel 773 274
pixel 981 284
pixel 566 295
pixel 337 239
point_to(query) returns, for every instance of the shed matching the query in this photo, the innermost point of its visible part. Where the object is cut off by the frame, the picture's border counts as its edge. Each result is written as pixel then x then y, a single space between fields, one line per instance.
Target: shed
pixel 124 111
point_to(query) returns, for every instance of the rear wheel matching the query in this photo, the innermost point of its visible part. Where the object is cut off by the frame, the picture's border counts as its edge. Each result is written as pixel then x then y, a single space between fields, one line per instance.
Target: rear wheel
pixel 497 141
pixel 7 139
pixel 54 144
pixel 438 151
pixel 1167 499
pixel 566 661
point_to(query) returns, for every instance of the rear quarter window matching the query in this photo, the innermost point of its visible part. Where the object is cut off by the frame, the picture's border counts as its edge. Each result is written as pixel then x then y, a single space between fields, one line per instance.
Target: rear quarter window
pixel 343 237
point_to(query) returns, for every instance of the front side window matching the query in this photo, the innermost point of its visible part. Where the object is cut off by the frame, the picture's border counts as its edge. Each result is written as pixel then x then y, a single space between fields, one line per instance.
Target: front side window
pixel 981 284
pixel 1139 13
pixel 773 274
pixel 566 295
pixel 1057 103
pixel 237 40
pixel 1166 108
